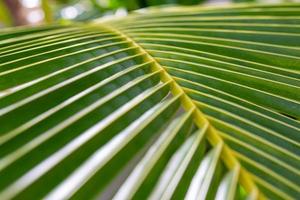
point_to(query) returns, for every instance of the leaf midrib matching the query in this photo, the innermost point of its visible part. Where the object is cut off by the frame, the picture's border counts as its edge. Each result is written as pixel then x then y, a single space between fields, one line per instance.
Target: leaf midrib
pixel 227 155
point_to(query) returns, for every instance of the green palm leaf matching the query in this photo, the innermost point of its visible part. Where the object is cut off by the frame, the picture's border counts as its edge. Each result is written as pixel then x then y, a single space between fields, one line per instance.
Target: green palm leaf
pixel 173 103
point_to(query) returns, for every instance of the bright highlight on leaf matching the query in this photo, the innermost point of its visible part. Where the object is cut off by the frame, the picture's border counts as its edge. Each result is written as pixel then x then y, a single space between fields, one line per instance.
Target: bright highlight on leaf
pixel 177 103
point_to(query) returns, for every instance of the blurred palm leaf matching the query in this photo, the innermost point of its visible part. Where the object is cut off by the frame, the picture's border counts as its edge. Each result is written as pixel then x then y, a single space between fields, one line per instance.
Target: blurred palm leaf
pixel 5 17
pixel 195 103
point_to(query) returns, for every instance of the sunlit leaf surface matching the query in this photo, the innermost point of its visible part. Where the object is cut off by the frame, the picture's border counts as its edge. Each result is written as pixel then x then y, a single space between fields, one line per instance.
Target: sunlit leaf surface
pixel 173 103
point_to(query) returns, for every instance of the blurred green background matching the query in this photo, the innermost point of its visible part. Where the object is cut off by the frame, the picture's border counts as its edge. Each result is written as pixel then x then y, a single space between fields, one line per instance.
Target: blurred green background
pixel 33 12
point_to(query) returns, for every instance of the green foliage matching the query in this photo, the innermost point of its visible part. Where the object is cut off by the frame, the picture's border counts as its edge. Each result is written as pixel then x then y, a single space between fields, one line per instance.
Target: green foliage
pixel 173 103
pixel 47 11
pixel 5 17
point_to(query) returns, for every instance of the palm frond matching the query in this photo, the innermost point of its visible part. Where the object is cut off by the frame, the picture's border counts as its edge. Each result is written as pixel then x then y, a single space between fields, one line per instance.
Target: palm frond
pixel 174 103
